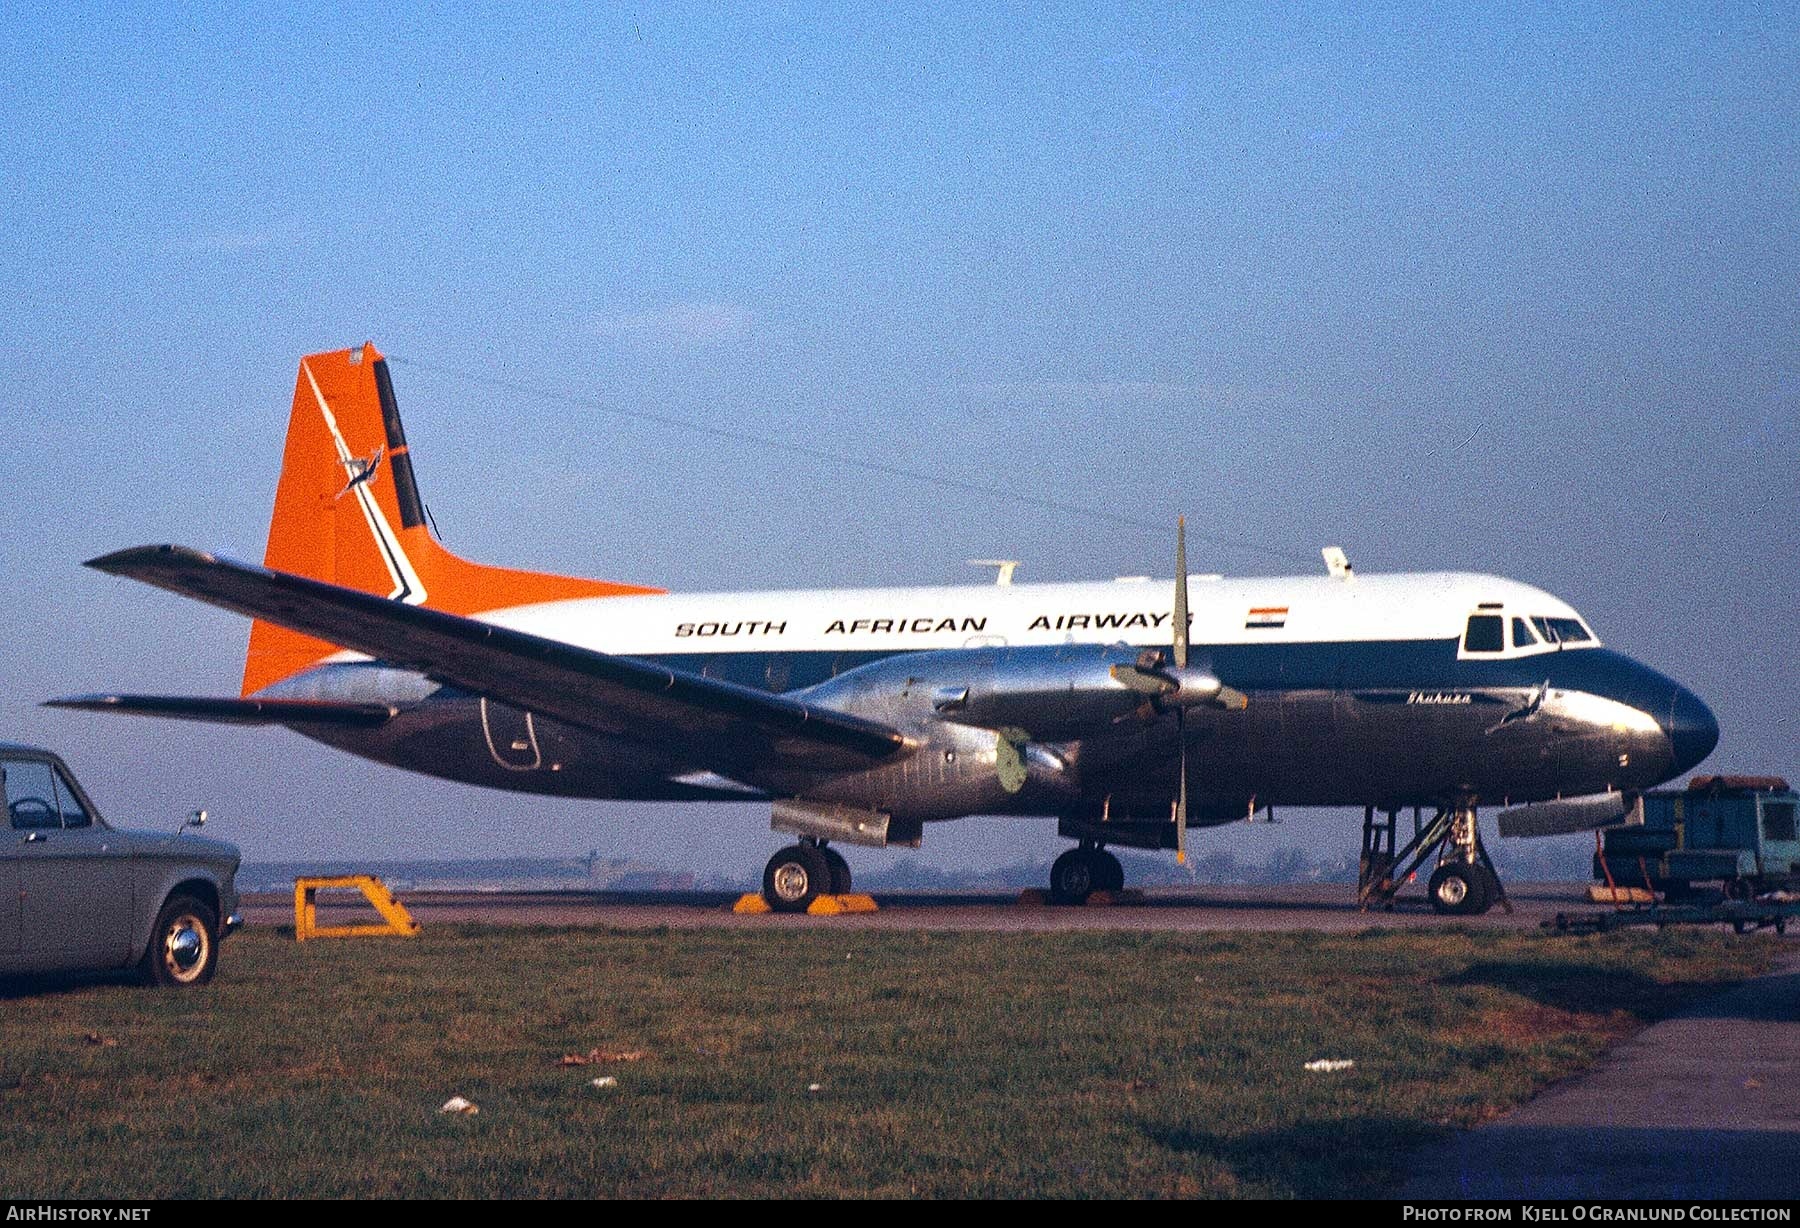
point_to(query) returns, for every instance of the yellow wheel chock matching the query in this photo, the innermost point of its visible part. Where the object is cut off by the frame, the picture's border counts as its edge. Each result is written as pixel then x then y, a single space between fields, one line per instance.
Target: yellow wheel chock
pixel 396 920
pixel 822 906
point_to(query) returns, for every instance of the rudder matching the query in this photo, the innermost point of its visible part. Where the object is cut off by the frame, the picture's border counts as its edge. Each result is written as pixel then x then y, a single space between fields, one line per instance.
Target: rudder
pixel 348 512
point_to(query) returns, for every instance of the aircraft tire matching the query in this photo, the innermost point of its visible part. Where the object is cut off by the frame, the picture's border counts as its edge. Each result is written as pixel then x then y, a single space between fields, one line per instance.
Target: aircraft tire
pixel 840 871
pixel 1491 881
pixel 1458 890
pixel 1111 873
pixel 1074 876
pixel 795 877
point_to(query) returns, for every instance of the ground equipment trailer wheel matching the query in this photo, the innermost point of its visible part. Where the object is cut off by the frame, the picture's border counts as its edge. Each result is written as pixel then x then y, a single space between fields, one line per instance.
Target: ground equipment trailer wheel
pixel 1459 889
pixel 795 877
pixel 1075 875
pixel 184 944
pixel 839 871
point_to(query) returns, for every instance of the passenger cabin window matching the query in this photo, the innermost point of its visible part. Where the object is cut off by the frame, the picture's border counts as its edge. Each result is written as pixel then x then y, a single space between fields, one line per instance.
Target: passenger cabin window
pixel 30 794
pixel 1485 633
pixel 1778 820
pixel 1522 634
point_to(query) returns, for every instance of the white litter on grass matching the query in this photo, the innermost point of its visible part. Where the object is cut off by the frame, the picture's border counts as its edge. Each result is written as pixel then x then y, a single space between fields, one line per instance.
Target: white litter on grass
pixel 456 1104
pixel 1325 1065
pixel 815 1087
pixel 606 1081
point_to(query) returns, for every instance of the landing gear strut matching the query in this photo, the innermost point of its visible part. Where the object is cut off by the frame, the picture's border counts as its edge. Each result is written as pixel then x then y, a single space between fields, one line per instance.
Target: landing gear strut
pixel 1083 870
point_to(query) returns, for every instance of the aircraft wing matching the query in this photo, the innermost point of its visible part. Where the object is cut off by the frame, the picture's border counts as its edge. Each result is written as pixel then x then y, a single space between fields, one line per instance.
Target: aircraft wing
pixel 720 726
pixel 236 711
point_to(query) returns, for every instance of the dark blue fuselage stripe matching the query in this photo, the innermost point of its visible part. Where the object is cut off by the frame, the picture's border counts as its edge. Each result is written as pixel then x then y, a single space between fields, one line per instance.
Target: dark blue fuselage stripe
pixel 1381 665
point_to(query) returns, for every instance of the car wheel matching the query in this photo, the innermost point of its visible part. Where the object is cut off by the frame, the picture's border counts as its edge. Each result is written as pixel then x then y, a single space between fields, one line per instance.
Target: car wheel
pixel 184 944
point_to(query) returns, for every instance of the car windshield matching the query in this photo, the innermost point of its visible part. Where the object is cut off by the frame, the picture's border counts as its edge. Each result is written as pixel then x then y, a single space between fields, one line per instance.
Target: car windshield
pixel 74 814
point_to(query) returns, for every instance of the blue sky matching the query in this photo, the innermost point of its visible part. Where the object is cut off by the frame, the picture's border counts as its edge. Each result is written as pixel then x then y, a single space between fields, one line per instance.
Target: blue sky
pixel 1509 289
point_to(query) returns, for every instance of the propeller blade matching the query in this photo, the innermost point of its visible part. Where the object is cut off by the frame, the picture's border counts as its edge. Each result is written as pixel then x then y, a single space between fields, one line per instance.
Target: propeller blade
pixel 1181 593
pixel 1181 662
pixel 1181 791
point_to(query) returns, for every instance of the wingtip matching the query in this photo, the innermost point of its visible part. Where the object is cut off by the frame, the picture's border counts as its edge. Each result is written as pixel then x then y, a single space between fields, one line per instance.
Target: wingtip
pixel 83 703
pixel 134 558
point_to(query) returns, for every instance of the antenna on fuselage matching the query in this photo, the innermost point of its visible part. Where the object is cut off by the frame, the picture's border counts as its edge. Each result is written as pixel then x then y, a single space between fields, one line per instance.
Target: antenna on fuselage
pixel 1003 568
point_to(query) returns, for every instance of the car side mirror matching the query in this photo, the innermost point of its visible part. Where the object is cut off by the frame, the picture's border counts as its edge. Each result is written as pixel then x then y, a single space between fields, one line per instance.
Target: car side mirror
pixel 196 819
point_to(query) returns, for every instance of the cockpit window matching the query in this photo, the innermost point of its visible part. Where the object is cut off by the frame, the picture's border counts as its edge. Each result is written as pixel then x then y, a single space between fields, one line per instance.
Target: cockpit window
pixel 1485 633
pixel 1523 636
pixel 1561 630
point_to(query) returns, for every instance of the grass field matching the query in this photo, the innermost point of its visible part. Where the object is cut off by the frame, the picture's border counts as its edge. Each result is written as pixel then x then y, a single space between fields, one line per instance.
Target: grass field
pixel 947 1064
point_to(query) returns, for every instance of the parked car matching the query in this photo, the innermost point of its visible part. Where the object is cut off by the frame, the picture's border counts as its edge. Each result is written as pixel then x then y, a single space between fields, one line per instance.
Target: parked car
pixel 77 894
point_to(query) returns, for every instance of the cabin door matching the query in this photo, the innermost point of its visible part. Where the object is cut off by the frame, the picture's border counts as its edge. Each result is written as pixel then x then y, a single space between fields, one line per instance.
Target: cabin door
pixel 511 736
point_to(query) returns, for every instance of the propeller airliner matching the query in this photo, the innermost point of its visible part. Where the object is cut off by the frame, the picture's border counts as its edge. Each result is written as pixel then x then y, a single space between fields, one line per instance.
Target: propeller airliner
pixel 1127 711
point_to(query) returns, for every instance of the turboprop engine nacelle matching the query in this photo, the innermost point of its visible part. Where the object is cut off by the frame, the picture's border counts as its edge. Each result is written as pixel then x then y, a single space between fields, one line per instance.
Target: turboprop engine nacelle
pixel 1070 691
pixel 998 730
pixel 1050 693
pixel 993 728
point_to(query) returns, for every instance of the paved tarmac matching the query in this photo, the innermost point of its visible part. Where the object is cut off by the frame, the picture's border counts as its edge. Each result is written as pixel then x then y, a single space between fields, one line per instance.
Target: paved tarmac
pixel 1328 907
pixel 1701 1106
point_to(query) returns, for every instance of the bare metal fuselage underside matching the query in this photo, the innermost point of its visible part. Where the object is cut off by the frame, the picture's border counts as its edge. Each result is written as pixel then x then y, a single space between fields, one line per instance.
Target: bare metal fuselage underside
pixel 1326 724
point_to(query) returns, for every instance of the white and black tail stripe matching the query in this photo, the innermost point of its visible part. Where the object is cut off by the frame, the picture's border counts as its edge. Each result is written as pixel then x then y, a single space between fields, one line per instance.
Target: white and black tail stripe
pixel 408 587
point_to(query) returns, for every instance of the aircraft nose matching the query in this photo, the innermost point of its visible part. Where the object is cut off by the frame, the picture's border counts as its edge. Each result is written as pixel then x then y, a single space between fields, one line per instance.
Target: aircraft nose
pixel 1692 730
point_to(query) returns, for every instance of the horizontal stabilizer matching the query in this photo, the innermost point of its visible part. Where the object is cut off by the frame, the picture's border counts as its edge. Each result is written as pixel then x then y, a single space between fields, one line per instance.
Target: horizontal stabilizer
pixel 1568 815
pixel 715 724
pixel 234 711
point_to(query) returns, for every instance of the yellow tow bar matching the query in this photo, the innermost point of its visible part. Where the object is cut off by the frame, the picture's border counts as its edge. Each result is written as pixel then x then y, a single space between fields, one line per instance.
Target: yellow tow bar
pixel 395 918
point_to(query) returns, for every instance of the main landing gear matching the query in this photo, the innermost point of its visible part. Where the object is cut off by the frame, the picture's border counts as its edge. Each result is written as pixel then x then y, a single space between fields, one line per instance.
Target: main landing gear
pixel 801 873
pixel 1083 870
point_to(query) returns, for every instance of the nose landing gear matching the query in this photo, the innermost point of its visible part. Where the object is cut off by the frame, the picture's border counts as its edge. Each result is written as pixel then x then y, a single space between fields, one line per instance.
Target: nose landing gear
pixel 1464 884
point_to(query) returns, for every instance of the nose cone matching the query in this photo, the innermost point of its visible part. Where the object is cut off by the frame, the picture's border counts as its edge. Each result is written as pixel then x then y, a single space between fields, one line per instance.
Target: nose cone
pixel 1692 730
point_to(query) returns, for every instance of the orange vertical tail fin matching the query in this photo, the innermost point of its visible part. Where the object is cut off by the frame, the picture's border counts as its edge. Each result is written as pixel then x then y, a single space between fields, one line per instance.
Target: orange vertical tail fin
pixel 347 511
